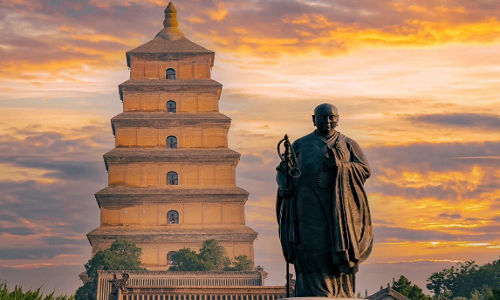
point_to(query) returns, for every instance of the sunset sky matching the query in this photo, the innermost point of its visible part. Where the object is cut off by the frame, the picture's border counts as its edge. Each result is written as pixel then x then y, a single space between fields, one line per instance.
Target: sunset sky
pixel 417 84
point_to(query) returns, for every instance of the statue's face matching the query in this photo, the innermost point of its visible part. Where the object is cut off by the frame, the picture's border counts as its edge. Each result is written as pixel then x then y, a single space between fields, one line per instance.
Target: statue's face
pixel 325 119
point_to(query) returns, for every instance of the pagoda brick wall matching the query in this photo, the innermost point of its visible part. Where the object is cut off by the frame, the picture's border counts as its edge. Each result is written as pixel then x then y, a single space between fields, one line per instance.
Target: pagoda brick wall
pixel 193 67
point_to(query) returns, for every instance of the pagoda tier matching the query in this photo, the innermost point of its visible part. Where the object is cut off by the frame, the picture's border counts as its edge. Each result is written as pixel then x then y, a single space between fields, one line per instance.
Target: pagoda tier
pixel 125 206
pixel 141 129
pixel 171 175
pixel 154 95
pixel 161 240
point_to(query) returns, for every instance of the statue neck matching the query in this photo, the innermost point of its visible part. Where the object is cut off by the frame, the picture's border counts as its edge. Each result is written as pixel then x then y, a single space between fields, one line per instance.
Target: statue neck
pixel 327 135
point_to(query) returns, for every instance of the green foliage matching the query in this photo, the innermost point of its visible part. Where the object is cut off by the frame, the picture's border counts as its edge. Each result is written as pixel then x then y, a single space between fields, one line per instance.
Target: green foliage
pixel 18 294
pixel 122 255
pixel 482 294
pixel 87 291
pixel 241 263
pixel 495 294
pixel 187 260
pixel 412 291
pixel 438 284
pixel 463 280
pixel 212 257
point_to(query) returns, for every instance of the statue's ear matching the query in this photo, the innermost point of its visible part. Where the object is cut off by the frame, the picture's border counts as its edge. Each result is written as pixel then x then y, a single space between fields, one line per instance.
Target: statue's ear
pixel 314 119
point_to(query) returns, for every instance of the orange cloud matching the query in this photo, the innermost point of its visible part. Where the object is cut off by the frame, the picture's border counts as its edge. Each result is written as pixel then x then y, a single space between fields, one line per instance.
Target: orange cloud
pixel 195 20
pixel 40 265
pixel 468 180
pixel 219 14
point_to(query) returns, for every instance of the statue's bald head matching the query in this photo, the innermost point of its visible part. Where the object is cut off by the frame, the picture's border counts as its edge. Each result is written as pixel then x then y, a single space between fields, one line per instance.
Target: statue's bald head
pixel 325 118
pixel 326 108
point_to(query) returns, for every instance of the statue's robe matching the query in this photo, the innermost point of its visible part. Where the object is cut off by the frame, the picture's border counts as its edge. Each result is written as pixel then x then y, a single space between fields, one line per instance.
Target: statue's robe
pixel 325 227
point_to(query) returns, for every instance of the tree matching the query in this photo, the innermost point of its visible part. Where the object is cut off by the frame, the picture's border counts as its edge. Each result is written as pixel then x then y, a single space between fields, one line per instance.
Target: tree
pixel 412 291
pixel 187 260
pixel 19 294
pixel 495 294
pixel 87 291
pixel 439 284
pixel 485 292
pixel 212 257
pixel 122 255
pixel 463 280
pixel 242 263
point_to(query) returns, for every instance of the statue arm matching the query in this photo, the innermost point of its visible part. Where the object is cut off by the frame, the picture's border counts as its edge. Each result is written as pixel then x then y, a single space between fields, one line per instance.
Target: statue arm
pixel 355 160
pixel 358 162
pixel 284 191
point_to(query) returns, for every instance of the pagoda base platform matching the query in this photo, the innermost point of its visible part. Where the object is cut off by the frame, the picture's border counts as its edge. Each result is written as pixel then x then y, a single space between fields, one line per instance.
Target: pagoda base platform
pixel 192 286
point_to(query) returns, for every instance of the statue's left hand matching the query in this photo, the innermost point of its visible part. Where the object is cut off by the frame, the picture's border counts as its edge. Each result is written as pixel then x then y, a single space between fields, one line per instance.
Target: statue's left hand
pixel 285 192
pixel 338 157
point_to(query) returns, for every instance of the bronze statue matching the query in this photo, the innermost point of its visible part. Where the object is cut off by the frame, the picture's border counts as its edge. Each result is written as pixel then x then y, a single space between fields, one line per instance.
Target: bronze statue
pixel 117 286
pixel 323 215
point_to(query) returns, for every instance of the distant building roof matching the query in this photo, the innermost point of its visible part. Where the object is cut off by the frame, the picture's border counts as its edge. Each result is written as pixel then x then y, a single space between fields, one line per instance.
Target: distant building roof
pixel 387 294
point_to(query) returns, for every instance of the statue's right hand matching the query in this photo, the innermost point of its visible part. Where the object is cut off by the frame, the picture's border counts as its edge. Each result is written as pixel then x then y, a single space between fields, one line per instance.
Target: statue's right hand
pixel 285 192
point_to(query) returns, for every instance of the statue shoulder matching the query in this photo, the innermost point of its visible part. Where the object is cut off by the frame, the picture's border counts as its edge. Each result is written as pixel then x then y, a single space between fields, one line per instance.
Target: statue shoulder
pixel 305 139
pixel 347 140
pixel 353 147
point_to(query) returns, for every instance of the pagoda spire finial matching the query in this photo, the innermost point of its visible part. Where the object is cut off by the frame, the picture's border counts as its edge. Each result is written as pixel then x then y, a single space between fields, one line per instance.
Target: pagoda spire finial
pixel 170 32
pixel 170 16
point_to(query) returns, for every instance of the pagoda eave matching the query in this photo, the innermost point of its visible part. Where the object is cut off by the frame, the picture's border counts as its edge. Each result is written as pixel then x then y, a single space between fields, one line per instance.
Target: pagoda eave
pixel 171 86
pixel 124 196
pixel 174 233
pixel 165 56
pixel 165 120
pixel 157 154
pixel 146 85
pixel 162 46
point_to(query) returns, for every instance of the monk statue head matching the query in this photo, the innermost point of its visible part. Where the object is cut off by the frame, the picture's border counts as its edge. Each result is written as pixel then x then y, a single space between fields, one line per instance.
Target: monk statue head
pixel 325 118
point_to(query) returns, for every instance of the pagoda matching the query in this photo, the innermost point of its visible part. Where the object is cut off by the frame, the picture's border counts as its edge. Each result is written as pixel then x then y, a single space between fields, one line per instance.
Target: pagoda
pixel 171 175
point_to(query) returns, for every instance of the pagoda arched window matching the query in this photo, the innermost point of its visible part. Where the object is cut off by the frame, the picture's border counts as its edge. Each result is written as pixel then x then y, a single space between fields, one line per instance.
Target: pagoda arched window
pixel 171 106
pixel 172 178
pixel 172 217
pixel 170 74
pixel 170 256
pixel 172 142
